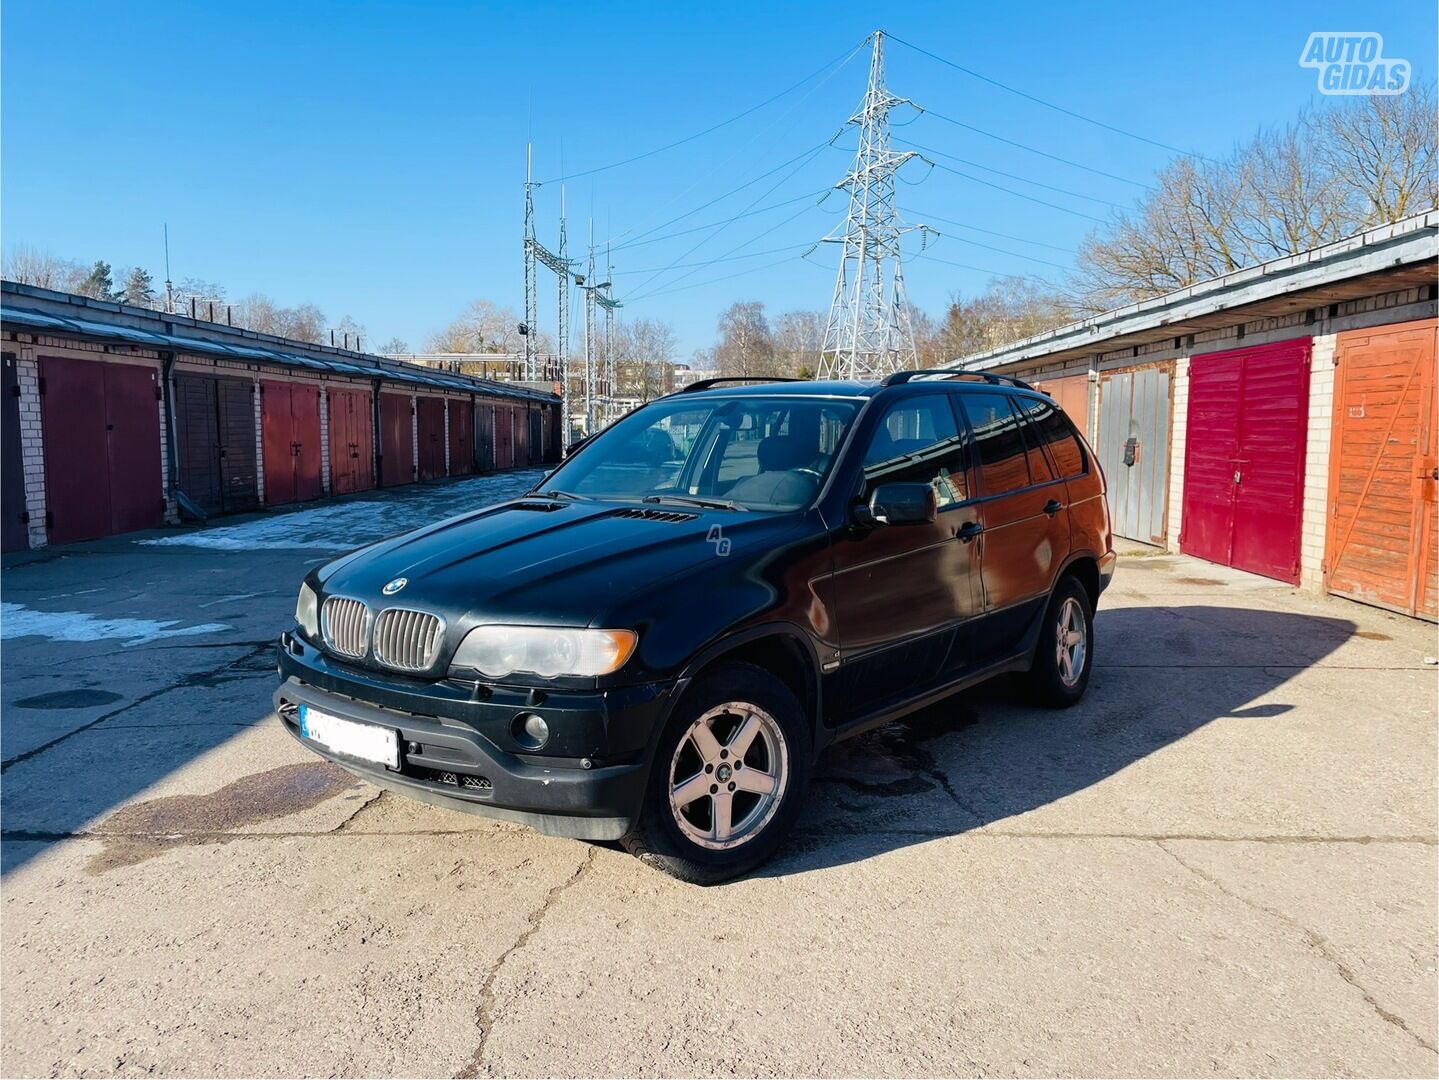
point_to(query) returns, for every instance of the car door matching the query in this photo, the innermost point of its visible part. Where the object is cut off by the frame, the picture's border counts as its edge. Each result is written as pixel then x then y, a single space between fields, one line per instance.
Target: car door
pixel 902 590
pixel 1023 511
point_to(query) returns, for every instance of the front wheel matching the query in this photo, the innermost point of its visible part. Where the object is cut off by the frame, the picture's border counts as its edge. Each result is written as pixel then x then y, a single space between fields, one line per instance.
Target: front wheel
pixel 1065 654
pixel 728 777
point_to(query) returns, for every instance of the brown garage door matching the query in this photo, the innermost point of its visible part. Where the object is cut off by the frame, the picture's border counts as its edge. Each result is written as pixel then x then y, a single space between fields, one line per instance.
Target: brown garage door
pixel 1072 395
pixel 430 415
pixel 484 436
pixel 397 448
pixel 462 437
pixel 15 532
pixel 1381 535
pixel 215 442
pixel 290 417
pixel 352 441
pixel 102 448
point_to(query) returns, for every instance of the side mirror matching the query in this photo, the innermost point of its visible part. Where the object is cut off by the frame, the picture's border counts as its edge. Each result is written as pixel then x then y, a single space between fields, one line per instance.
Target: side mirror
pixel 900 504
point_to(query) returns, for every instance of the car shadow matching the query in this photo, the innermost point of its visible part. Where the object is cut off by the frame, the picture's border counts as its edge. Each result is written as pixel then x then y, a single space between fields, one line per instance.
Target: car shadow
pixel 987 754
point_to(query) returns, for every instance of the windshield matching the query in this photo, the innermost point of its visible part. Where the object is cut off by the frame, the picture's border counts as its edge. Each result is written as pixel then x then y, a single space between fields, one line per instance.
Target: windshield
pixel 751 453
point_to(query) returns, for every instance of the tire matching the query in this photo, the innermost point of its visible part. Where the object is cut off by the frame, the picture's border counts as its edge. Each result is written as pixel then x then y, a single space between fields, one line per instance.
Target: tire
pixel 1054 682
pixel 690 838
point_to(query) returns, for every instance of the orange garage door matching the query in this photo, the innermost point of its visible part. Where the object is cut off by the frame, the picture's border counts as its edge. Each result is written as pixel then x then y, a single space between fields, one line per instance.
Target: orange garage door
pixel 1381 535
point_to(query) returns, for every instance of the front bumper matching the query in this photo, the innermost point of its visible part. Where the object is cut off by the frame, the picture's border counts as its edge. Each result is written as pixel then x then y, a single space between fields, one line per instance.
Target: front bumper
pixel 458 751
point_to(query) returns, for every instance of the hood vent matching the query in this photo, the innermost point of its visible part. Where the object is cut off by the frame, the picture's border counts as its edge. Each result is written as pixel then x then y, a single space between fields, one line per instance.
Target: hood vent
pixel 535 507
pixel 644 513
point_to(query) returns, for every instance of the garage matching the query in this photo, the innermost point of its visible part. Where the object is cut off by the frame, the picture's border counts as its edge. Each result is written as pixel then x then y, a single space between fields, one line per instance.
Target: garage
pixel 504 437
pixel 484 436
pixel 1381 535
pixel 352 441
pixel 290 418
pixel 14 518
pixel 216 466
pixel 101 426
pixel 1244 462
pixel 1071 393
pixel 462 437
pixel 430 416
pixel 397 447
pixel 1133 449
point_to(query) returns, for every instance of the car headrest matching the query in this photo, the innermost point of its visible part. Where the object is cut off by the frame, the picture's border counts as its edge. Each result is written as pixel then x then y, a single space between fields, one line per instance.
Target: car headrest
pixel 780 453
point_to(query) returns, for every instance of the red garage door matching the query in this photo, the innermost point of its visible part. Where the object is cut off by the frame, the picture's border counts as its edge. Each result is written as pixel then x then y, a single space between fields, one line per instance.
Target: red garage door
pixel 397 448
pixel 504 437
pixel 102 448
pixel 1383 540
pixel 1244 458
pixel 352 441
pixel 430 414
pixel 484 436
pixel 290 417
pixel 462 438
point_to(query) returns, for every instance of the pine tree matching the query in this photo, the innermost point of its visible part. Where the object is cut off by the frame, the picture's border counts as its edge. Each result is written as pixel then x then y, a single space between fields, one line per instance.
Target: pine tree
pixel 139 288
pixel 99 284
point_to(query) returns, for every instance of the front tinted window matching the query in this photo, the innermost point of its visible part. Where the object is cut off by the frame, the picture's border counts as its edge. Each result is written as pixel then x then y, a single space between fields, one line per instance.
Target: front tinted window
pixel 918 441
pixel 760 453
pixel 997 441
pixel 1048 425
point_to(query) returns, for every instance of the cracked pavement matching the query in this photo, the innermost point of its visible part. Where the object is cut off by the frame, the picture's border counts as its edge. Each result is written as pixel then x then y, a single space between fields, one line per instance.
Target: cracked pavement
pixel 1223 862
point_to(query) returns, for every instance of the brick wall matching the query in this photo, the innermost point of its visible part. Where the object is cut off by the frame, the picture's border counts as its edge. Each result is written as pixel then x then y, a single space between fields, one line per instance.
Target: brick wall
pixel 325 440
pixel 1316 463
pixel 1178 430
pixel 32 448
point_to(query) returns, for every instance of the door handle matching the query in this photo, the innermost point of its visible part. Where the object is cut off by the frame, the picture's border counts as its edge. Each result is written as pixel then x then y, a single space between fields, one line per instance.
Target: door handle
pixel 1053 507
pixel 969 530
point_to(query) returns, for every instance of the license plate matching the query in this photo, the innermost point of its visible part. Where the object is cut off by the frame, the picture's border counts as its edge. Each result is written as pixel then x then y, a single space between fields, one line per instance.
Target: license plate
pixel 364 742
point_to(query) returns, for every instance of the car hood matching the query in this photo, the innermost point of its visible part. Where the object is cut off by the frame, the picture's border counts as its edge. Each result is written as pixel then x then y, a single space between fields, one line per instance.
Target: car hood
pixel 546 562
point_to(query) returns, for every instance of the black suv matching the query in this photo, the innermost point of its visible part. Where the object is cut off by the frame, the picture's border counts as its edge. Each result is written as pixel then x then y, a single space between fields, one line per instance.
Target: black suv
pixel 654 644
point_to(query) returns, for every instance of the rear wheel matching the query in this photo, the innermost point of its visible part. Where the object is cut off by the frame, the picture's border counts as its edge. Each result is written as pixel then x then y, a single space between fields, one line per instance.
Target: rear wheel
pixel 1065 653
pixel 728 777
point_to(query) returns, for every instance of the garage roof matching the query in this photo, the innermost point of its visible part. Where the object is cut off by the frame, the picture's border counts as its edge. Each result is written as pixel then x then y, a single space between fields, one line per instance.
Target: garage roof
pixel 67 314
pixel 1392 257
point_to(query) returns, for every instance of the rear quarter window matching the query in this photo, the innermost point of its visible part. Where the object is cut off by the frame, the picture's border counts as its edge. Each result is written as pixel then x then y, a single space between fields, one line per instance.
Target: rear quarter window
pixel 1055 433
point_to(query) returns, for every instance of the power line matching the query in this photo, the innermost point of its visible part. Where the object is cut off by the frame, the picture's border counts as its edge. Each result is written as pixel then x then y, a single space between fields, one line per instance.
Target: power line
pixel 842 59
pixel 1036 150
pixel 721 198
pixel 730 277
pixel 711 262
pixel 991 232
pixel 1047 104
pixel 1012 176
pixel 977 269
pixel 1005 251
pixel 1017 194
pixel 700 228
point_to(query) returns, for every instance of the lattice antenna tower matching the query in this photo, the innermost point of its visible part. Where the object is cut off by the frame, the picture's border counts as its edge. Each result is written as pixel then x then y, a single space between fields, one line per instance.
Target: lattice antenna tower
pixel 869 333
pixel 556 368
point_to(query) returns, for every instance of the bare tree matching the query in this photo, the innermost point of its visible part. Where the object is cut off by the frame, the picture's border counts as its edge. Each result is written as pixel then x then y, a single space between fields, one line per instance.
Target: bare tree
pixel 1010 309
pixel 33 266
pixel 394 347
pixel 483 327
pixel 745 345
pixel 799 340
pixel 644 349
pixel 1331 173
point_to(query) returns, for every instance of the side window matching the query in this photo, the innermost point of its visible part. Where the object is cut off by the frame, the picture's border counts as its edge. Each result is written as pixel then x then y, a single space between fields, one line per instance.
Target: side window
pixel 918 441
pixel 1039 470
pixel 997 441
pixel 1049 426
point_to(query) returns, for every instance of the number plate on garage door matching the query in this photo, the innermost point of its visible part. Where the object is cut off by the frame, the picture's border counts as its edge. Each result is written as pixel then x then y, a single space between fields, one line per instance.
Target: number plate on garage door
pixel 364 742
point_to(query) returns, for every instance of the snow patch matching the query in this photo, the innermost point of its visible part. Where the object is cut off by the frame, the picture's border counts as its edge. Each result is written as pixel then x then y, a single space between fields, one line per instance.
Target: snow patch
pixel 16 621
pixel 348 525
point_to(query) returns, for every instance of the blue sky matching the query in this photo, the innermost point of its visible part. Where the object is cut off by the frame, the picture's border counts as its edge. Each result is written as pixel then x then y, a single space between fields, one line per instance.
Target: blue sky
pixel 369 157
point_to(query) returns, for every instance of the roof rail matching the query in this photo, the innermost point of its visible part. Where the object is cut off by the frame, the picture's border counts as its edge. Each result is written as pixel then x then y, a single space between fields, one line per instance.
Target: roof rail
pixel 705 384
pixel 899 378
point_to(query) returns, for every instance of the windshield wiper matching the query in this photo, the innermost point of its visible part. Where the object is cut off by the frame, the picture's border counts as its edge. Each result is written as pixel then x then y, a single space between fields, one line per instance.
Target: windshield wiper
pixel 691 500
pixel 556 493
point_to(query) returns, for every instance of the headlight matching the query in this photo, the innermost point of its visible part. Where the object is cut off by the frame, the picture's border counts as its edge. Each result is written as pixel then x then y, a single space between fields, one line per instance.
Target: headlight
pixel 543 650
pixel 307 613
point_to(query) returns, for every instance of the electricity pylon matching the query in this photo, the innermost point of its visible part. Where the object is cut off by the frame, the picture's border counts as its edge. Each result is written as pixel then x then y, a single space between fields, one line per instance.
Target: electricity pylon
pixel 869 334
pixel 562 267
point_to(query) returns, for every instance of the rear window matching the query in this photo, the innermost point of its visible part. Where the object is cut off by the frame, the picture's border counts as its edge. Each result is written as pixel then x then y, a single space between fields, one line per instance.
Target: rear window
pixel 1049 426
pixel 998 442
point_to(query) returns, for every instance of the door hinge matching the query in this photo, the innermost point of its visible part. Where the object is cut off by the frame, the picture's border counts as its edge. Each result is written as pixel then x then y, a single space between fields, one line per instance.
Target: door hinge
pixel 49 519
pixel 42 384
pixel 15 390
pixel 158 395
pixel 24 517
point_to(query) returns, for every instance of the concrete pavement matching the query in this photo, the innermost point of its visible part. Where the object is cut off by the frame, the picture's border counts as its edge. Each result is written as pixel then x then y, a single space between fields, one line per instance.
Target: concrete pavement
pixel 1222 862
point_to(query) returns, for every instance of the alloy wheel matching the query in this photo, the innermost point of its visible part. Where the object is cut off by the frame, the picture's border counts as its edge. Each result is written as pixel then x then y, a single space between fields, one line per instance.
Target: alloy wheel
pixel 728 775
pixel 1070 641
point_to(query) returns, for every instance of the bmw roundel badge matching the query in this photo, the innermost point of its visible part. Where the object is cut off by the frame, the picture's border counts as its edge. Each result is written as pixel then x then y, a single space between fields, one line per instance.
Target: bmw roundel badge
pixel 395 586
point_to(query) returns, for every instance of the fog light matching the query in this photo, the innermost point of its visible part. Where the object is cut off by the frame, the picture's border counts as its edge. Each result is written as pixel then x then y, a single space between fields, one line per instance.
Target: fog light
pixel 530 731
